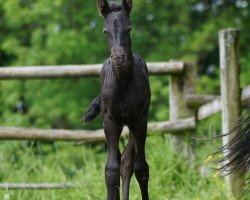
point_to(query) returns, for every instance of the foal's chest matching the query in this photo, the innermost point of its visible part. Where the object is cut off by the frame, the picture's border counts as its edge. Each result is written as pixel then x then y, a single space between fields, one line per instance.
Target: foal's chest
pixel 130 104
pixel 127 98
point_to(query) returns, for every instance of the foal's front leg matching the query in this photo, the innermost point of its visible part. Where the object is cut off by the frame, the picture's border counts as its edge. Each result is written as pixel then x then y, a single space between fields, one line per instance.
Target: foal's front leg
pixel 112 170
pixel 127 166
pixel 139 132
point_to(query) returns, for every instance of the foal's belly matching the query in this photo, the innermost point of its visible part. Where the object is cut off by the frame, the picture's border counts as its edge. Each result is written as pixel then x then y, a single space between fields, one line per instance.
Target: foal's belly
pixel 128 109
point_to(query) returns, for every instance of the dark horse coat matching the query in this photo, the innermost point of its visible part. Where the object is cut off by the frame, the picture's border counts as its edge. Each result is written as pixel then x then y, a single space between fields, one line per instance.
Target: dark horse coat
pixel 124 100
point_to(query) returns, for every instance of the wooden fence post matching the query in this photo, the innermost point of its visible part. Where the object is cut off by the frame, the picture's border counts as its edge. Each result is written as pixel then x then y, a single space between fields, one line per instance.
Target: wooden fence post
pixel 179 87
pixel 230 95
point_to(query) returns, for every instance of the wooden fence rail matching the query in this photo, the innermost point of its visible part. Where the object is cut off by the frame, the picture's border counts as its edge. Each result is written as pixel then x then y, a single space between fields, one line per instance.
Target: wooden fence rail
pixel 194 101
pixel 7 133
pixel 42 186
pixel 73 71
pixel 214 106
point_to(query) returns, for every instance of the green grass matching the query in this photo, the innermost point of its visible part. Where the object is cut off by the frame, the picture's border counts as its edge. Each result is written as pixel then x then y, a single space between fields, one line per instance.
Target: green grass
pixel 170 177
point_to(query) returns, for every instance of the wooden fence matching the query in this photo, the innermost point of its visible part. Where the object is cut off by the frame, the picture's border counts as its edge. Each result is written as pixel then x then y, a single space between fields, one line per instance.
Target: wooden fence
pixel 173 68
pixel 186 108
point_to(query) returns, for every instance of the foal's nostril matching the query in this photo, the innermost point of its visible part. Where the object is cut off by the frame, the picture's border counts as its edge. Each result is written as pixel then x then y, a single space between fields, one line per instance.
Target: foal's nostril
pixel 118 60
pixel 117 57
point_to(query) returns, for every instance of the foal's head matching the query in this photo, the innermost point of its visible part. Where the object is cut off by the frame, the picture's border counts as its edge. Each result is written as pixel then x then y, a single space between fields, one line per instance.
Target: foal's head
pixel 117 30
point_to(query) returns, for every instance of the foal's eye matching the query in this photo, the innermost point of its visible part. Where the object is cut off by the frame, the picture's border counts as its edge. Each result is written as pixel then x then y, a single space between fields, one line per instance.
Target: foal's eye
pixel 105 31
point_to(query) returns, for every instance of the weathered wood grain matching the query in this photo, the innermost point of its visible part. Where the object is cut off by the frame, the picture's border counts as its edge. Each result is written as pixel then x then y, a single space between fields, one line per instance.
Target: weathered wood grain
pixel 74 71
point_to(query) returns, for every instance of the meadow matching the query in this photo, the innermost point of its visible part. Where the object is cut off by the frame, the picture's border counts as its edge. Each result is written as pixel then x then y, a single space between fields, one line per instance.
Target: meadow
pixel 63 32
pixel 171 178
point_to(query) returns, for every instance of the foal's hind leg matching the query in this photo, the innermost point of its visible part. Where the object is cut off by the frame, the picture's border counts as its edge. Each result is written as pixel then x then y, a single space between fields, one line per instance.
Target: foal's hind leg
pixel 127 167
pixel 139 131
pixel 112 170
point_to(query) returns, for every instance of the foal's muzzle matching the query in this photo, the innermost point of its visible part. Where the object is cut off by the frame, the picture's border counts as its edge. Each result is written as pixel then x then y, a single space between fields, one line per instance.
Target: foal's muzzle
pixel 118 60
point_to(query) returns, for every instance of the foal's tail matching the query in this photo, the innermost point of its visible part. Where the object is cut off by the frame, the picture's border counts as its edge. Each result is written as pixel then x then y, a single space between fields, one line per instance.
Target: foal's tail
pixel 237 150
pixel 93 110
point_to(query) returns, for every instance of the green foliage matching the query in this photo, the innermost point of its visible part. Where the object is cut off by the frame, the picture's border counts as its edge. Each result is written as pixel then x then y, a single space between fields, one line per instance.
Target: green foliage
pixel 58 32
pixel 44 32
pixel 170 177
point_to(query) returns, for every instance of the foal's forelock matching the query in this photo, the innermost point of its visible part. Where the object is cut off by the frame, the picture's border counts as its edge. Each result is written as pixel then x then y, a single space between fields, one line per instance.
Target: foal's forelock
pixel 114 6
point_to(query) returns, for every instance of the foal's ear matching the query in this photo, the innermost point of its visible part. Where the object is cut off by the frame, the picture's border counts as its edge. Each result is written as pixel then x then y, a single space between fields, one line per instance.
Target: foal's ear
pixel 128 5
pixel 103 7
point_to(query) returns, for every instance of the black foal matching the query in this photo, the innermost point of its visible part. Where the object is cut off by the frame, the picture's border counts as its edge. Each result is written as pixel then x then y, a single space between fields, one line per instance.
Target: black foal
pixel 124 100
